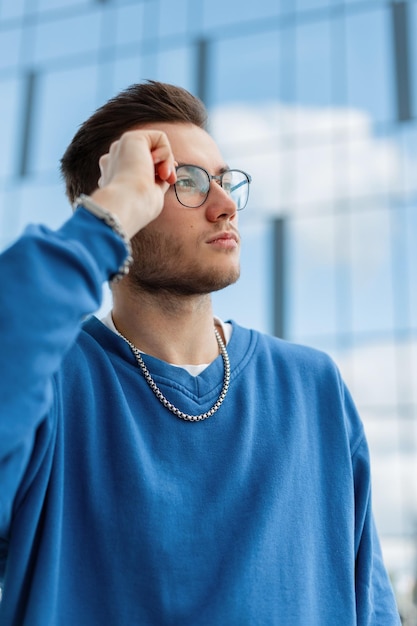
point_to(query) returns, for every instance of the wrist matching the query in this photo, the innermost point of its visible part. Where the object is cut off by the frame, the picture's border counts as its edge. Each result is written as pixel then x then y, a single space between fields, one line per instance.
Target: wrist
pixel 113 222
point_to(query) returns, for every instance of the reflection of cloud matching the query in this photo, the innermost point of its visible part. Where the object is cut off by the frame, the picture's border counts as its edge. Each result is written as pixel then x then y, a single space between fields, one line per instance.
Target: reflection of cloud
pixel 383 380
pixel 372 372
pixel 302 156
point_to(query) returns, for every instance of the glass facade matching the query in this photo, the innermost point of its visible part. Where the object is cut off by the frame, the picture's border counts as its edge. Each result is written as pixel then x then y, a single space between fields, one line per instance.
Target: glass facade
pixel 317 100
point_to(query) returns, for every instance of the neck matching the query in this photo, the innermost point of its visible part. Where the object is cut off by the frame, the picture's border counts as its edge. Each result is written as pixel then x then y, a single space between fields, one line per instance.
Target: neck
pixel 176 329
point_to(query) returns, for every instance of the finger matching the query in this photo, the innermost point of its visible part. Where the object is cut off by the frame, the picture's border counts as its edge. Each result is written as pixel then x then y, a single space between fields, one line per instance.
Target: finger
pixel 166 171
pixel 163 185
pixel 164 160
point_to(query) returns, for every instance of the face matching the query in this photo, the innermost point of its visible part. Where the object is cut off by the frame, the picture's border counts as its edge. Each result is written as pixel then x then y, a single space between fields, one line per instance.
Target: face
pixel 189 251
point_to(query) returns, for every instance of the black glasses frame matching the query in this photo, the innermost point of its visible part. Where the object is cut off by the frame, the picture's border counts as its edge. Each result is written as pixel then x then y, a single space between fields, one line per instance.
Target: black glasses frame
pixel 216 177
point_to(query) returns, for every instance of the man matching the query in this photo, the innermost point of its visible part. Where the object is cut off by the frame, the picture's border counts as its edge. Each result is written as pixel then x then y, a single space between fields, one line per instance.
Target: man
pixel 161 466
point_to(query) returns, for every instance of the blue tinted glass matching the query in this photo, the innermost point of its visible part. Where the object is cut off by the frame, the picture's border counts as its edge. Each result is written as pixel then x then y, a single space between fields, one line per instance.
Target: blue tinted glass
pixel 10 222
pixel 371 269
pixel 247 68
pixel 173 18
pixel 313 64
pixel 173 65
pixel 68 36
pixel 411 256
pixel 11 112
pixel 35 209
pixel 369 63
pixel 311 273
pixel 129 24
pixel 10 9
pixel 412 39
pixel 50 5
pixel 61 107
pixel 10 47
pixel 218 13
pixel 305 5
pixel 125 71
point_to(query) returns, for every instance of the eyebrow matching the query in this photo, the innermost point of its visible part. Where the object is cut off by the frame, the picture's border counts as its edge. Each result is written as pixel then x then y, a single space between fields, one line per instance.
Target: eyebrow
pixel 221 170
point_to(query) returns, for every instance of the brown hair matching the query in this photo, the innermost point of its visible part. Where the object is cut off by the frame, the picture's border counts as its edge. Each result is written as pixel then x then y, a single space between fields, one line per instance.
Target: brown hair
pixel 140 104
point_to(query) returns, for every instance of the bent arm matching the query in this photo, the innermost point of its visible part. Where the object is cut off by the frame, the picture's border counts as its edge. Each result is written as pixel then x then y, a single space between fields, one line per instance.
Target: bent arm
pixel 50 282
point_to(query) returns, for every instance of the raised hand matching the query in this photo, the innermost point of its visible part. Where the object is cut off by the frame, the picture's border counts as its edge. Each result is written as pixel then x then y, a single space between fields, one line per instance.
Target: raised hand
pixel 135 175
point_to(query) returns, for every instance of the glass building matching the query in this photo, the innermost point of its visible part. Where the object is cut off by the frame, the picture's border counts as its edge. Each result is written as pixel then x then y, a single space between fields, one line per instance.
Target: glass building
pixel 317 99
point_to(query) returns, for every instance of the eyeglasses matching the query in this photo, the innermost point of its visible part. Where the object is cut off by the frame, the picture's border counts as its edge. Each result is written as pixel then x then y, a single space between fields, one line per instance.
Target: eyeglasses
pixel 193 185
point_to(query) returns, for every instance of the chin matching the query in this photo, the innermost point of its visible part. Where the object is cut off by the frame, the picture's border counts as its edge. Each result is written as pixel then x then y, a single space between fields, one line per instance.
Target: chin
pixel 186 283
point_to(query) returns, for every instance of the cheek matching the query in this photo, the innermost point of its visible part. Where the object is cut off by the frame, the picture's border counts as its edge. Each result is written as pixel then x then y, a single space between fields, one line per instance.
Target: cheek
pixel 175 222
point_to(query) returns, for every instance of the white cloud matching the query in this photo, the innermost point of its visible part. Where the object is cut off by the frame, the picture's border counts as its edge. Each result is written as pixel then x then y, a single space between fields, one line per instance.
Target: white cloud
pixel 304 157
pixel 383 380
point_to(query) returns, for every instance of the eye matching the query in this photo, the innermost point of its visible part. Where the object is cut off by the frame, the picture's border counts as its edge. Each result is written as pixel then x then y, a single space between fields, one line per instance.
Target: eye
pixel 227 182
pixel 185 183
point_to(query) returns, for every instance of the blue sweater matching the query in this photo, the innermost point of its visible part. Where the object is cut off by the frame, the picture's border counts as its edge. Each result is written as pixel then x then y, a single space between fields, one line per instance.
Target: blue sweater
pixel 113 511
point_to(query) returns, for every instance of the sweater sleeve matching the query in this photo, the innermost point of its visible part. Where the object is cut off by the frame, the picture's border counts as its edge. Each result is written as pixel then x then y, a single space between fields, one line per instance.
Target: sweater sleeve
pixel 50 280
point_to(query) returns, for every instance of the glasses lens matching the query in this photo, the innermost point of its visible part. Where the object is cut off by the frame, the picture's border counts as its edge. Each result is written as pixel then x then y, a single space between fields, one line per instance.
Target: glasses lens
pixel 192 185
pixel 236 184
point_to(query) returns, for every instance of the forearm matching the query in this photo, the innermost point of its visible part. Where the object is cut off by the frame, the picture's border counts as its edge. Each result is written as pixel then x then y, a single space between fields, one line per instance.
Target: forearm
pixel 50 282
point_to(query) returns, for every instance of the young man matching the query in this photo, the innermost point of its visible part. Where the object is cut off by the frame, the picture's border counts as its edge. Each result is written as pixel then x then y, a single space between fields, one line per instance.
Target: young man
pixel 161 466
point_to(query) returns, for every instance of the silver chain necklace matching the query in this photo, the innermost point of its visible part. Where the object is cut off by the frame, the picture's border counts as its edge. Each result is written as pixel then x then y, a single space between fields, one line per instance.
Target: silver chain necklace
pixel 167 404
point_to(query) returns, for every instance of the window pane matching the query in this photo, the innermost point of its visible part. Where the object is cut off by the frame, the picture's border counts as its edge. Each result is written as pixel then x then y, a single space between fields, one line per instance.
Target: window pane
pixel 10 43
pixel 390 467
pixel 371 268
pixel 34 209
pixel 172 66
pixel 218 13
pixel 369 63
pixel 411 247
pixel 314 62
pixel 412 41
pixel 56 38
pixel 10 115
pixel 245 69
pixel 129 24
pixel 126 71
pixel 45 5
pixel 303 5
pixel 372 163
pixel 61 107
pixel 407 142
pixel 10 9
pixel 173 18
pixel 311 277
pixel 10 200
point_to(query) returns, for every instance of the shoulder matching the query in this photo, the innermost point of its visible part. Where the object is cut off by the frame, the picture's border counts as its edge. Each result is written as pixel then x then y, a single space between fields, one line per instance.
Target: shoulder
pixel 298 372
pixel 288 356
pixel 305 383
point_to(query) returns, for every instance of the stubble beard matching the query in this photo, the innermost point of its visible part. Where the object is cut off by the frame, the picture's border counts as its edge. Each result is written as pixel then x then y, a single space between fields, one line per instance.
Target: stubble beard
pixel 158 267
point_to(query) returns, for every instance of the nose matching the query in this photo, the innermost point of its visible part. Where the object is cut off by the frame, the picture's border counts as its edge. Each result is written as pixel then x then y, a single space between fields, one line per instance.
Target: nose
pixel 219 204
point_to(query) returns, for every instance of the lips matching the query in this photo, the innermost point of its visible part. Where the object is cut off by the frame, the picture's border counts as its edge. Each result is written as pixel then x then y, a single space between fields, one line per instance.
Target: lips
pixel 224 236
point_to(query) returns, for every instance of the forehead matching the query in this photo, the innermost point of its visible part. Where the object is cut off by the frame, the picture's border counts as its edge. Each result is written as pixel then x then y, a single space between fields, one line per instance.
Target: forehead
pixel 191 144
